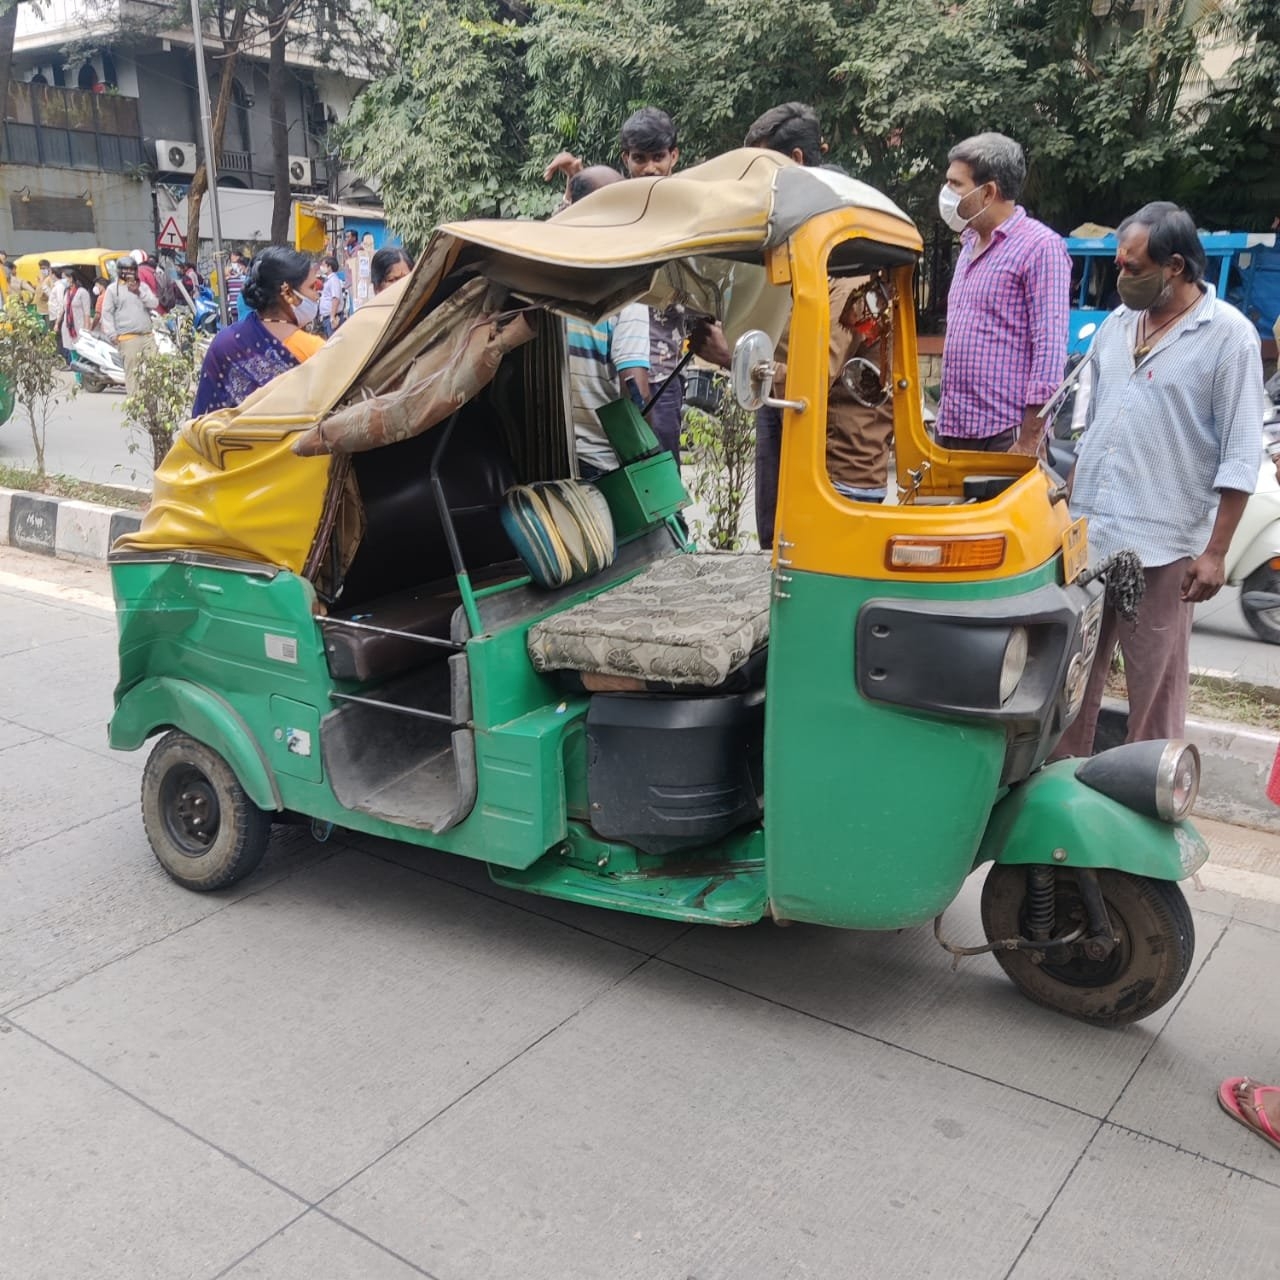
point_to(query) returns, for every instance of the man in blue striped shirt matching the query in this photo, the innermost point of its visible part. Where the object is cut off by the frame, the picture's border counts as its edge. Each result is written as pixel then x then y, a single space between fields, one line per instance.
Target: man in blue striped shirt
pixel 1169 457
pixel 606 359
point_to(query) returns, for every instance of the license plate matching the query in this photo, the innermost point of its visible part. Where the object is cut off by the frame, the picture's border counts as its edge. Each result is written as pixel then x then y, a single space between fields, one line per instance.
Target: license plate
pixel 1075 550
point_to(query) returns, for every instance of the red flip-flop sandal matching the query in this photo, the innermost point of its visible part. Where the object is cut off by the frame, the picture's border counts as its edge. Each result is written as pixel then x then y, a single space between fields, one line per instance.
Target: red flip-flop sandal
pixel 1229 1101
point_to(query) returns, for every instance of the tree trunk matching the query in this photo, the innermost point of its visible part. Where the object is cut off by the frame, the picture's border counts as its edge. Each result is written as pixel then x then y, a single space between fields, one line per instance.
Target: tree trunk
pixel 8 26
pixel 200 182
pixel 278 25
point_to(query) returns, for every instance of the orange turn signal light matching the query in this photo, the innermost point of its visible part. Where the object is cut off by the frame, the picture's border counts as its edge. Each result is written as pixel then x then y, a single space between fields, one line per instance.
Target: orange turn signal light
pixel 946 555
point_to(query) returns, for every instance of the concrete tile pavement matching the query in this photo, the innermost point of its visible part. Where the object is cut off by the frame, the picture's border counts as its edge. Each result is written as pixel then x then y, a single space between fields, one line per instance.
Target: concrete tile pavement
pixel 367 1062
pixel 97 1185
pixel 315 1246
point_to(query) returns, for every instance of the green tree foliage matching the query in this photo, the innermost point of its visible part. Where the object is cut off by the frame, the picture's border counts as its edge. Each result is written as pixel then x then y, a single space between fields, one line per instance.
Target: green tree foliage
pixel 1109 96
pixel 444 132
pixel 1240 129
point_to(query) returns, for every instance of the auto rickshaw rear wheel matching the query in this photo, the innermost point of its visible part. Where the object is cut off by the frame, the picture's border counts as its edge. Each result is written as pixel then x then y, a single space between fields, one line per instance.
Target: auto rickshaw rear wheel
pixel 1155 941
pixel 203 828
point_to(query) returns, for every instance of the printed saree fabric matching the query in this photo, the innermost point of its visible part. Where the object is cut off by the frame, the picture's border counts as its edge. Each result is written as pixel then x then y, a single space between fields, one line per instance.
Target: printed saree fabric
pixel 242 358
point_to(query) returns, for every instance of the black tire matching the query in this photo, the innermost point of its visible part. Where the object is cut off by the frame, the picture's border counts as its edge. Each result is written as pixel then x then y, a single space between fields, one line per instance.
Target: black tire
pixel 203 828
pixel 1151 961
pixel 1264 623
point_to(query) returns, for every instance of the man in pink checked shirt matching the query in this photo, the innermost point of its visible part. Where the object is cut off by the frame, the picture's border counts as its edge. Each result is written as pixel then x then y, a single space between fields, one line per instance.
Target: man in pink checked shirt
pixel 1007 310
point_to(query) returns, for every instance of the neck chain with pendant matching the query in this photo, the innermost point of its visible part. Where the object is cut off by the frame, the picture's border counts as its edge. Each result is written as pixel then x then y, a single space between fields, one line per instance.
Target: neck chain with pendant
pixel 1146 340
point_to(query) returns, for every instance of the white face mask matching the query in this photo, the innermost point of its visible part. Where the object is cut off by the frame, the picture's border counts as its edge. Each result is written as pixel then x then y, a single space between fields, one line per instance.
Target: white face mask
pixel 949 209
pixel 305 311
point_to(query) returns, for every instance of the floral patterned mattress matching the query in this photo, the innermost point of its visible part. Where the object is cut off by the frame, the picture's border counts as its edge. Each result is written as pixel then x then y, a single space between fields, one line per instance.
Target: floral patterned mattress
pixel 687 620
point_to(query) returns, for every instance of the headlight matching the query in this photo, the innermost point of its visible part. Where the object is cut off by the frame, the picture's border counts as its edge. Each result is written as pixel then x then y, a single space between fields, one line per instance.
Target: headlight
pixel 1178 782
pixel 1014 664
pixel 1159 779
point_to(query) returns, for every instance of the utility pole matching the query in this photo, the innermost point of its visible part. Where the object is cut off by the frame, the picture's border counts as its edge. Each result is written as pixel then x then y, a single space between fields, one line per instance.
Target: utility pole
pixel 210 159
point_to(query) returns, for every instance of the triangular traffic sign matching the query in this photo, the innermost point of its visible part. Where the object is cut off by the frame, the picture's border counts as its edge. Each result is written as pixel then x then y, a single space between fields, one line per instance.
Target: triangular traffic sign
pixel 170 236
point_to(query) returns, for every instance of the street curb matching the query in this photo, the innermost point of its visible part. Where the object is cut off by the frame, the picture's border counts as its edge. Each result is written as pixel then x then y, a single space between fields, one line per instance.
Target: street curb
pixel 62 527
pixel 1235 763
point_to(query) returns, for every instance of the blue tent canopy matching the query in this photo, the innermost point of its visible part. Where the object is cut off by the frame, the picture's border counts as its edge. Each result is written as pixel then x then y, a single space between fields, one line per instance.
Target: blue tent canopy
pixel 1254 287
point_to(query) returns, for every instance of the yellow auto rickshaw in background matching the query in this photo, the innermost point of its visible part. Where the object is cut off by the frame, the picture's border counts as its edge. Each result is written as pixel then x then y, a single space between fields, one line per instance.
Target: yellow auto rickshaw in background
pixel 103 262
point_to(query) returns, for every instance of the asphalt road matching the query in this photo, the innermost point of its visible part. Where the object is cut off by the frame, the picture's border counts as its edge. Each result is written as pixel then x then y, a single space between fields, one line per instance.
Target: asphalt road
pixel 87 439
pixel 367 1062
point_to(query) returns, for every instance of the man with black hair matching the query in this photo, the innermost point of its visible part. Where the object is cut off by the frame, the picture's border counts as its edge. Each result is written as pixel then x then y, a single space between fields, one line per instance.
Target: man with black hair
pixel 648 141
pixel 650 150
pixel 127 307
pixel 583 183
pixel 791 128
pixel 649 145
pixel 333 296
pixel 1007 308
pixel 606 359
pixel 1167 461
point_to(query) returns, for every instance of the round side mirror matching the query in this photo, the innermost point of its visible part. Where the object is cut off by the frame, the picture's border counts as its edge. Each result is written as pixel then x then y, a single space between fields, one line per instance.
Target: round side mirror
pixel 862 381
pixel 751 373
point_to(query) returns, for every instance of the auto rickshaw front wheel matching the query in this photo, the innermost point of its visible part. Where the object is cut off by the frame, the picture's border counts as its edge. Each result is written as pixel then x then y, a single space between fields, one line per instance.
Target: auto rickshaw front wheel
pixel 1149 920
pixel 203 828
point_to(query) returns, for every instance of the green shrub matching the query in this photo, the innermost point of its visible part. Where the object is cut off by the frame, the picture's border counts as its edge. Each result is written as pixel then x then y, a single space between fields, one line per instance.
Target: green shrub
pixel 164 394
pixel 720 449
pixel 29 365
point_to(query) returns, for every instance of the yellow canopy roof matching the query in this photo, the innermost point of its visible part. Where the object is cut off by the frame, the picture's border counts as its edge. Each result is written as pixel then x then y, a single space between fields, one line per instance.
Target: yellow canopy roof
pixel 736 205
pixel 232 485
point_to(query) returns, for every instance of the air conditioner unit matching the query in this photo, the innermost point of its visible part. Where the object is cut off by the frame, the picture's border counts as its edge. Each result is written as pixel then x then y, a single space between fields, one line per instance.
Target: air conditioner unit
pixel 299 171
pixel 175 157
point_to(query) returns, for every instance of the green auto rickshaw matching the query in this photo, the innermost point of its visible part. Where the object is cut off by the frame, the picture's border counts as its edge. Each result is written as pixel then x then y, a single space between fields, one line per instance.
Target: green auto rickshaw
pixel 375 595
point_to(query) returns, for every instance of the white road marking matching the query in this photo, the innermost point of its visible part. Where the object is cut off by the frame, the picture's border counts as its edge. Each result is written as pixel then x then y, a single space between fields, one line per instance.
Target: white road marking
pixel 57 591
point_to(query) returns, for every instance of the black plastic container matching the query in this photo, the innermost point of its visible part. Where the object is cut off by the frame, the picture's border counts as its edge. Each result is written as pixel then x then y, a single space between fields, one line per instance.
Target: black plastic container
pixel 669 773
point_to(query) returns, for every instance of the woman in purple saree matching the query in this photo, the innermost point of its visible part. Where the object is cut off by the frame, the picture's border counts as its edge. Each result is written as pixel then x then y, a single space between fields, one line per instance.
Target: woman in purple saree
pixel 282 289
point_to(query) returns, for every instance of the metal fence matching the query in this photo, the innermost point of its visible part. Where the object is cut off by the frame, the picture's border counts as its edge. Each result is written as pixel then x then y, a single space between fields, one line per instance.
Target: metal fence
pixel 933 279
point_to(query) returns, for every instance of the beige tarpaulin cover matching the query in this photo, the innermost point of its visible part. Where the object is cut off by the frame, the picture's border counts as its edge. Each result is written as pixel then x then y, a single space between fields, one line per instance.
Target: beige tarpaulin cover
pixel 465 338
pixel 232 484
pixel 1092 231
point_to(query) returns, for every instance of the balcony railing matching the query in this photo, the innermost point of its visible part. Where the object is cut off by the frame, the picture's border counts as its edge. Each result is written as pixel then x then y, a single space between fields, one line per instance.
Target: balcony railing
pixel 70 128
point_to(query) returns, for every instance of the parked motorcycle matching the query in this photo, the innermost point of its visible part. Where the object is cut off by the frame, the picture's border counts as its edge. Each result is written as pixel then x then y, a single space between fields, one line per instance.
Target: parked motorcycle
pixel 204 312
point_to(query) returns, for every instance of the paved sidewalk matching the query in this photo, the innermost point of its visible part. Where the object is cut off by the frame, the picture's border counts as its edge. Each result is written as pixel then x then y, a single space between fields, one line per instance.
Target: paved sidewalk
pixel 368 1063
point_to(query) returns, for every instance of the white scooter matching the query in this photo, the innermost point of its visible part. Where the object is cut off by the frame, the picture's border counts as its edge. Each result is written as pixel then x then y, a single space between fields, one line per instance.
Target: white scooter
pixel 1253 559
pixel 96 362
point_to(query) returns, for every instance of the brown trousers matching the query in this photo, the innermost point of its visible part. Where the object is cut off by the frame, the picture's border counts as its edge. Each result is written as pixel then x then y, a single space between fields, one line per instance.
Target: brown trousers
pixel 1157 663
